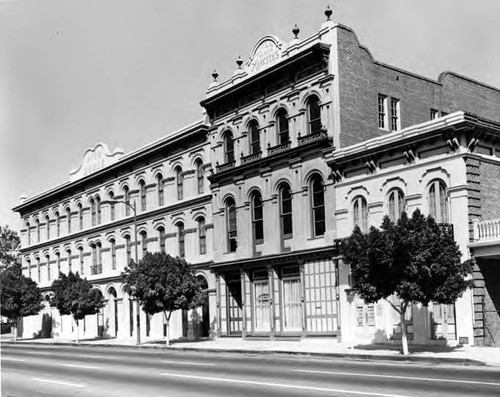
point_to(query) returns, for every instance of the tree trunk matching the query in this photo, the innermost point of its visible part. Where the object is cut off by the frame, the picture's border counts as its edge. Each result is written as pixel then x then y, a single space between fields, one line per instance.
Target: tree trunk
pixel 404 336
pixel 77 333
pixel 167 334
pixel 15 330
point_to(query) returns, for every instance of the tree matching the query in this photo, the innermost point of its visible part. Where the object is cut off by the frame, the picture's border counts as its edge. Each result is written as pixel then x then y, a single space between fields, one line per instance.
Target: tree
pixel 163 284
pixel 19 295
pixel 75 296
pixel 9 244
pixel 415 259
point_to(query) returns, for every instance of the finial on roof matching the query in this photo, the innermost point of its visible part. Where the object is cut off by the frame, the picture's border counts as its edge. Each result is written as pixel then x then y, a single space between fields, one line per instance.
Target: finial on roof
pixel 239 62
pixel 328 13
pixel 296 31
pixel 215 75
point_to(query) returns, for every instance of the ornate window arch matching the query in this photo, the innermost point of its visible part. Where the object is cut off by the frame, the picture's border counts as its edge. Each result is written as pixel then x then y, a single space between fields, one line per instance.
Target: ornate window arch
pixel 313 115
pixel 317 205
pixel 438 201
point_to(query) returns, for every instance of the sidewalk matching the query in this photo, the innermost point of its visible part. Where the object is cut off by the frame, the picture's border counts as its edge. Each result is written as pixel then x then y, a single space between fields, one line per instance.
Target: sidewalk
pixel 320 347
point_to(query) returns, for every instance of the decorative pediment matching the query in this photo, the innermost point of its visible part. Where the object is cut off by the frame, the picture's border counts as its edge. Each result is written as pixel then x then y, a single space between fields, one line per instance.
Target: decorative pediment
pixel 95 159
pixel 266 52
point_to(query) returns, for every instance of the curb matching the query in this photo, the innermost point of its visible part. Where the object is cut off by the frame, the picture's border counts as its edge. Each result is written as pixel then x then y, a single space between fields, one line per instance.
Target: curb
pixel 348 356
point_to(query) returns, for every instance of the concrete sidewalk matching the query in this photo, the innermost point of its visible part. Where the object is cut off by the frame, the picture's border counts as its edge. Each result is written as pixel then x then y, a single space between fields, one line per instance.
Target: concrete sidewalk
pixel 321 347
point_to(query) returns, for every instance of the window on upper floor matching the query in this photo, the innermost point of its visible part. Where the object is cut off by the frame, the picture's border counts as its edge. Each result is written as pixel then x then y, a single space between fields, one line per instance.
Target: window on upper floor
pixel 28 233
pixel 231 225
pixel 200 176
pixel 285 199
pixel 317 205
pixel 126 198
pixel 68 258
pixel 161 189
pixel 254 135
pixel 360 212
pixel 143 193
pixel 98 209
pixel 396 204
pixel 128 248
pixel 112 209
pixel 228 147
pixel 313 115
pixel 47 225
pixel 37 226
pixel 28 265
pixel 80 216
pixel 257 218
pixel 38 270
pixel 382 112
pixel 202 237
pixel 93 212
pixel 395 115
pixel 113 254
pixel 68 220
pixel 58 263
pixel 180 239
pixel 282 126
pixel 58 224
pixel 179 178
pixel 144 244
pixel 434 114
pixel 162 237
pixel 47 259
pixel 438 202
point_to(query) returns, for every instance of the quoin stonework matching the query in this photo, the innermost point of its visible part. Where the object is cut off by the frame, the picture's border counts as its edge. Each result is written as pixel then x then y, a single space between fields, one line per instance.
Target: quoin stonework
pixel 305 140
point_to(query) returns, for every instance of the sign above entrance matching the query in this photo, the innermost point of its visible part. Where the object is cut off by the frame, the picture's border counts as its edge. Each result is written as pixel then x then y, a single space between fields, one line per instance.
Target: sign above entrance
pixel 95 159
pixel 266 52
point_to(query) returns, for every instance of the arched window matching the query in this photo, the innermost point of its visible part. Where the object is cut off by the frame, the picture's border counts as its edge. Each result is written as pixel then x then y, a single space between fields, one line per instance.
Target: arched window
pixel 38 270
pixel 396 204
pixel 98 210
pixel 360 212
pixel 257 218
pixel 200 172
pixel 113 254
pixel 68 219
pixel 28 264
pixel 112 212
pixel 80 216
pixel 128 249
pixel 180 183
pixel 144 243
pixel 438 203
pixel 142 189
pixel 93 212
pixel 37 225
pixel 282 126
pixel 313 115
pixel 58 224
pixel 317 206
pixel 202 237
pixel 228 147
pixel 68 257
pixel 47 258
pixel 180 239
pixel 161 231
pixel 28 232
pixel 161 189
pixel 58 263
pixel 82 261
pixel 96 259
pixel 47 223
pixel 254 137
pixel 126 198
pixel 232 232
pixel 285 197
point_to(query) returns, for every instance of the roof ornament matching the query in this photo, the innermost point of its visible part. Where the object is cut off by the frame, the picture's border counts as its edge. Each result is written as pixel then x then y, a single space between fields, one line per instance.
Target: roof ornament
pixel 328 13
pixel 296 32
pixel 239 62
pixel 215 75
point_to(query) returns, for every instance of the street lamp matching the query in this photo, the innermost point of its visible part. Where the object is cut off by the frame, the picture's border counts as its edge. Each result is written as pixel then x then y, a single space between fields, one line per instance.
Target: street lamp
pixel 134 209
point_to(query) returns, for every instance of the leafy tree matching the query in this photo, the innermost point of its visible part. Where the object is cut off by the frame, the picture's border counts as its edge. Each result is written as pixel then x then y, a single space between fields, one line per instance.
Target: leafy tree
pixel 415 259
pixel 75 296
pixel 9 244
pixel 19 295
pixel 163 284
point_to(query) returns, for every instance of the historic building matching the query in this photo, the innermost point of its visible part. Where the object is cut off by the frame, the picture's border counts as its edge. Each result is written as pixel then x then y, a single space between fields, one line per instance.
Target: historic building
pixel 305 140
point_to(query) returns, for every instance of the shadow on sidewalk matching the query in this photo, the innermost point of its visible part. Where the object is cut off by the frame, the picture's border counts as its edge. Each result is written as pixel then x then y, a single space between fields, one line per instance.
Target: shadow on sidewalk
pixel 412 348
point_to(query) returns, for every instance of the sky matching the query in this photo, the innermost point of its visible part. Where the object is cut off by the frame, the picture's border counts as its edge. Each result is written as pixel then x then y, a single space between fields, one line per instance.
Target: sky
pixel 127 72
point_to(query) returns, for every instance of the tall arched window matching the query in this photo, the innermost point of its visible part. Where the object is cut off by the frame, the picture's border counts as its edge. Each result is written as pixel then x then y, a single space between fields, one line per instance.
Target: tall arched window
pixel 126 198
pixel 285 197
pixel 360 212
pixel 228 147
pixel 200 173
pixel 113 254
pixel 254 137
pixel 47 223
pixel 38 270
pixel 438 203
pixel 180 239
pixel 28 232
pixel 313 115
pixel 317 206
pixel 82 261
pixel 396 204
pixel 180 183
pixel 142 188
pixel 144 243
pixel 98 210
pixel 68 258
pixel 37 226
pixel 202 237
pixel 162 236
pixel 47 259
pixel 112 212
pixel 68 219
pixel 128 249
pixel 257 218
pixel 80 216
pixel 161 189
pixel 58 263
pixel 232 231
pixel 93 212
pixel 282 126
pixel 28 264
pixel 58 224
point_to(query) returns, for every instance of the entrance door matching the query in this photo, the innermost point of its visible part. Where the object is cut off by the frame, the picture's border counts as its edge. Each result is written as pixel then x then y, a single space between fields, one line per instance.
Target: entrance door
pixel 262 306
pixel 292 306
pixel 443 322
pixel 234 307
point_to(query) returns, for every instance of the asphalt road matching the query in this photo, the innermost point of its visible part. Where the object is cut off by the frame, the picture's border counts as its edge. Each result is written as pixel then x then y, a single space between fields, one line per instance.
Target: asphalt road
pixel 51 370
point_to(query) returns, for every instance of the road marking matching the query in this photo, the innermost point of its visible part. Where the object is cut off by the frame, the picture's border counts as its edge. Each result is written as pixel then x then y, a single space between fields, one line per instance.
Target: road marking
pixel 94 356
pixel 80 366
pixel 12 359
pixel 472 382
pixel 186 363
pixel 58 382
pixel 281 385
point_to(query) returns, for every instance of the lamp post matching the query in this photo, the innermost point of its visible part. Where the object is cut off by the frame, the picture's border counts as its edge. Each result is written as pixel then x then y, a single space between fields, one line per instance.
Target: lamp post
pixel 134 209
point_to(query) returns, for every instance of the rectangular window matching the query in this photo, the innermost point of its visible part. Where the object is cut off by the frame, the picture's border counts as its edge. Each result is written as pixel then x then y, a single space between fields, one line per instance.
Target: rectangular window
pixel 395 115
pixel 382 112
pixel 434 114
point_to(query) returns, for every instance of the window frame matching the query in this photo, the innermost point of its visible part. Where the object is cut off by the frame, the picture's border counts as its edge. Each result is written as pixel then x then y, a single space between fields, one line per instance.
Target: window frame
pixel 439 202
pixel 181 242
pixel 317 208
pixel 257 221
pixel 360 213
pixel 395 114
pixel 179 180
pixel 231 220
pixel 398 200
pixel 143 195
pixel 383 120
pixel 202 236
pixel 314 125
pixel 254 137
pixel 200 176
pixel 281 120
pixel 228 140
pixel 160 190
pixel 286 218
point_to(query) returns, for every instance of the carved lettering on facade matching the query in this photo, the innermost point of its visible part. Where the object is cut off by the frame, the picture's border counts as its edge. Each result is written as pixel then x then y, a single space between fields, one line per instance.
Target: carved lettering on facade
pixel 266 53
pixel 95 159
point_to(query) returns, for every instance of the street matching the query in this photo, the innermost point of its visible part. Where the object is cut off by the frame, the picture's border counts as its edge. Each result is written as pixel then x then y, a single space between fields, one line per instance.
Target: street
pixel 52 370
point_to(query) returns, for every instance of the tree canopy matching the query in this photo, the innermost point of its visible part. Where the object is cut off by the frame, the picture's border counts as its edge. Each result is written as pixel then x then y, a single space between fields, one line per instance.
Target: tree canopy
pixel 19 295
pixel 415 259
pixel 9 244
